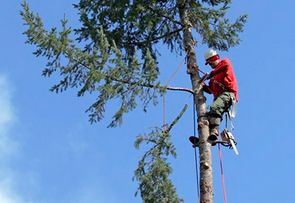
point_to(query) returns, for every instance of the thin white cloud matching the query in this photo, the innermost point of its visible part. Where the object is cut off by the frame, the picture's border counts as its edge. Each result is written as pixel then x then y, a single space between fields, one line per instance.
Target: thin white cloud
pixel 6 192
pixel 10 178
pixel 7 145
pixel 7 118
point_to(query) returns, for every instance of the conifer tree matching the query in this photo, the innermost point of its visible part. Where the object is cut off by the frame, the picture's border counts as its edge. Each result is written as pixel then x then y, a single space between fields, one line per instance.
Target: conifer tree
pixel 114 54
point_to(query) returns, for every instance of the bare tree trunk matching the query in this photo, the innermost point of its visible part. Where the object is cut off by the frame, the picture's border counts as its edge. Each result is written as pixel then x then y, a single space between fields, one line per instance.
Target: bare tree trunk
pixel 206 172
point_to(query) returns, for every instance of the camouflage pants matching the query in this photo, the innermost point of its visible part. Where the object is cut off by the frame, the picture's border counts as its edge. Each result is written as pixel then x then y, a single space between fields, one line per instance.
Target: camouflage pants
pixel 220 105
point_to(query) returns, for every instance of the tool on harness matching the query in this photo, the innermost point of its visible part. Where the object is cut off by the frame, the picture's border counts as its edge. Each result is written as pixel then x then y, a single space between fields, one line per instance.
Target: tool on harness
pixel 233 109
pixel 228 138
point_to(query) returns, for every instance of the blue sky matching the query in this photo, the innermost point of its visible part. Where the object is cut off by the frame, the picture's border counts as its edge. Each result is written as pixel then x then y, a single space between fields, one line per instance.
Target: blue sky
pixel 50 153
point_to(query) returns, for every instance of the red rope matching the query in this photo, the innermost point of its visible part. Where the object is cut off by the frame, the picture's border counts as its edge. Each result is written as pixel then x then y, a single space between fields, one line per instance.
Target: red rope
pixel 176 71
pixel 197 68
pixel 222 175
pixel 164 107
pixel 164 113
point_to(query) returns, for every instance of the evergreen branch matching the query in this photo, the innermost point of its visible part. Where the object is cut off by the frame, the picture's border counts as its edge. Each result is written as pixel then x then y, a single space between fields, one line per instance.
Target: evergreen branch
pixel 154 39
pixel 143 84
pixel 153 171
pixel 165 16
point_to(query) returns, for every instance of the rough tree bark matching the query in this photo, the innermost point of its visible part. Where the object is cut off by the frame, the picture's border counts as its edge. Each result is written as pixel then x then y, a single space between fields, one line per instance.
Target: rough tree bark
pixel 206 172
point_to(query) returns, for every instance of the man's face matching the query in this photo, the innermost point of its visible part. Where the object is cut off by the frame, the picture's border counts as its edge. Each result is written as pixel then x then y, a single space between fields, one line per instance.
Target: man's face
pixel 213 64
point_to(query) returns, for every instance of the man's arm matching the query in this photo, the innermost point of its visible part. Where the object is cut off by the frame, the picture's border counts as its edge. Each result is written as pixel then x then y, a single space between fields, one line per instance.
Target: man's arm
pixel 206 88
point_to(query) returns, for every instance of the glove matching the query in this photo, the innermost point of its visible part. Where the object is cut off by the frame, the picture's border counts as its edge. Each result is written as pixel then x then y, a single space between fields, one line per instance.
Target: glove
pixel 208 76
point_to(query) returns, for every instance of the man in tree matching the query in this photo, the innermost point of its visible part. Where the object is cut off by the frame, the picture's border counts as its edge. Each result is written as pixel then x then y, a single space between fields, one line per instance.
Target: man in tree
pixel 223 86
pixel 115 54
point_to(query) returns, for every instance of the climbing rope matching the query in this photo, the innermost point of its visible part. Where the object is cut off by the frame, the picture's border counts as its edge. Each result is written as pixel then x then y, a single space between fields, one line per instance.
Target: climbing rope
pixel 195 152
pixel 222 174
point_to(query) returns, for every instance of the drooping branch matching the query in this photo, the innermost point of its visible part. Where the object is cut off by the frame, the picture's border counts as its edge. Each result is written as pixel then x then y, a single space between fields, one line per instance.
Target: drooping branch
pixel 177 118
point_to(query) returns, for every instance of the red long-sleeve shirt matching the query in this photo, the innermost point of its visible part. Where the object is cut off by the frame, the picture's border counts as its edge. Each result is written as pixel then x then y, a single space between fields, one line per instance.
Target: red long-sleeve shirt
pixel 223 73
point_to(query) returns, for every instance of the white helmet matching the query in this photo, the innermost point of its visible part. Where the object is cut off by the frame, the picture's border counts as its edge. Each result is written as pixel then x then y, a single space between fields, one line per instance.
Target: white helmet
pixel 210 53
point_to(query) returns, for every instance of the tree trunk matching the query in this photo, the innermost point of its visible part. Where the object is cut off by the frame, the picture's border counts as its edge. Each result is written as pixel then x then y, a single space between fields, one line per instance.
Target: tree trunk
pixel 206 172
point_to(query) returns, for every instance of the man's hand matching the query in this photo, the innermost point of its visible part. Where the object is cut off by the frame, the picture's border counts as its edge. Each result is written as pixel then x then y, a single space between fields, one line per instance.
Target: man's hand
pixel 208 76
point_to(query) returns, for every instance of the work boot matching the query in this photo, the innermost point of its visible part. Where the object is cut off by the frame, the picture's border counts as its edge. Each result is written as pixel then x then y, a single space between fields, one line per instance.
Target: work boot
pixel 214 123
pixel 194 140
pixel 213 134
